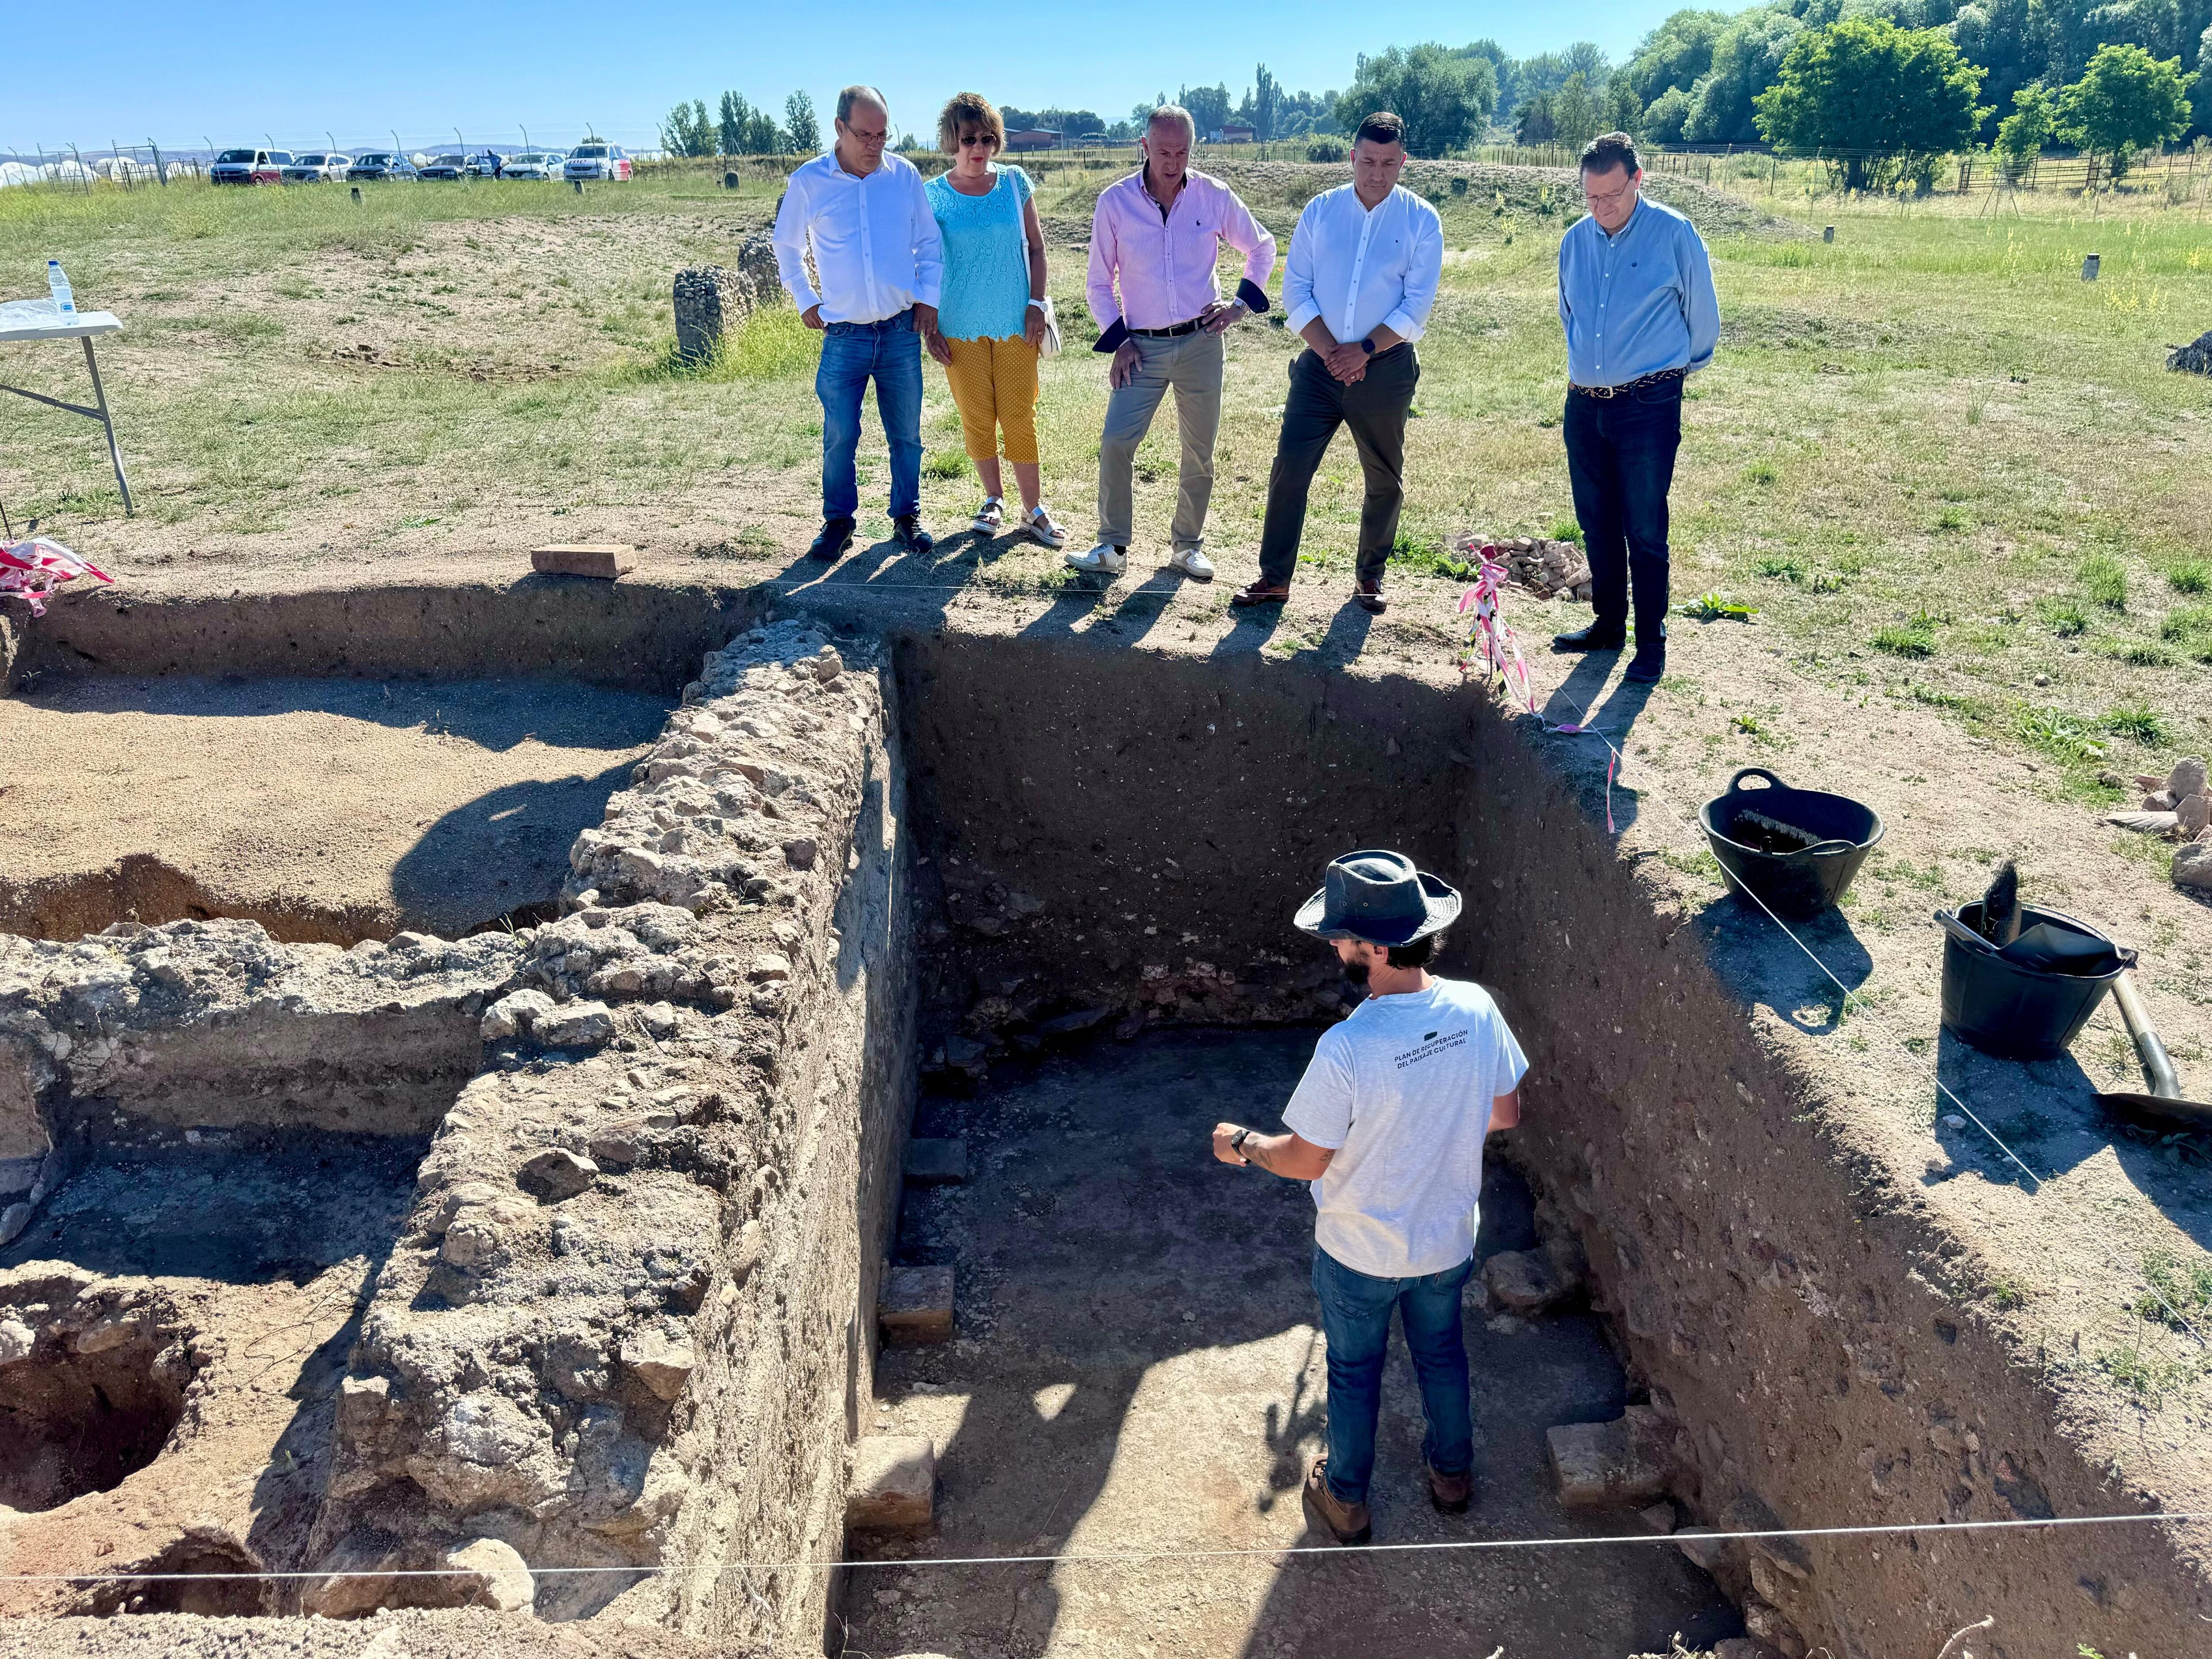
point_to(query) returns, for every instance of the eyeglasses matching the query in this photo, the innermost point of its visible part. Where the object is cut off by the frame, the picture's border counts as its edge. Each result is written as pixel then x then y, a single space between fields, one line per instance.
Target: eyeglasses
pixel 971 140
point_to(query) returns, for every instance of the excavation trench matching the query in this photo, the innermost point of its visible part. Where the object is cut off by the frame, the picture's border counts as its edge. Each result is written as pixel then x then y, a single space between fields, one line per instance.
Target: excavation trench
pixel 1035 893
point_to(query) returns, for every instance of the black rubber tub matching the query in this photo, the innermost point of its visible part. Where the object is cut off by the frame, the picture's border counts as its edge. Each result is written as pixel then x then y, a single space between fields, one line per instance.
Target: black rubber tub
pixel 1796 885
pixel 2015 1012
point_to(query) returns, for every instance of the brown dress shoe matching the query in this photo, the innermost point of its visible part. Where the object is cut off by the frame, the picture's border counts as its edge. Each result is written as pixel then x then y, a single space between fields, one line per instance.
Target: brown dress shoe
pixel 1345 1523
pixel 1451 1493
pixel 1260 593
pixel 1369 595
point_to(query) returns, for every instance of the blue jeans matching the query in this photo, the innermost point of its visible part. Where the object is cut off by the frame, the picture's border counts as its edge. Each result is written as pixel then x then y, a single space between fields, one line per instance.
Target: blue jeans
pixel 1620 460
pixel 853 354
pixel 1355 1317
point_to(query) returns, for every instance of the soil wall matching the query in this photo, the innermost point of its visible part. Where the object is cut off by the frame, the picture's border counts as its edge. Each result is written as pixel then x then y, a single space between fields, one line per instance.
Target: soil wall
pixel 638 636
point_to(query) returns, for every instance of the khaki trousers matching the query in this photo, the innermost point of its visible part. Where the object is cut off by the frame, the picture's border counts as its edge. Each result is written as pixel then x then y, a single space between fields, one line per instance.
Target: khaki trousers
pixel 1192 365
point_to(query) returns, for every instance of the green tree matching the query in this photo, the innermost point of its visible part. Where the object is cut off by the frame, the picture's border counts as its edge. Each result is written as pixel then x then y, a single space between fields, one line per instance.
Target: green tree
pixel 1676 55
pixel 1533 123
pixel 2126 100
pixel 687 131
pixel 1445 99
pixel 2022 134
pixel 1208 106
pixel 1578 114
pixel 1746 58
pixel 1864 86
pixel 1664 115
pixel 799 125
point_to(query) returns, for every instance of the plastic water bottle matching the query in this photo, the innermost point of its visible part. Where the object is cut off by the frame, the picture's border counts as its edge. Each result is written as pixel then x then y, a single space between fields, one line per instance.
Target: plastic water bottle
pixel 64 301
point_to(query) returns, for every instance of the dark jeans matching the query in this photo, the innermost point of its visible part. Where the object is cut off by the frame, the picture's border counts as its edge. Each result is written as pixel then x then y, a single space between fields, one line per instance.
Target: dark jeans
pixel 1355 1318
pixel 853 354
pixel 1374 407
pixel 1620 460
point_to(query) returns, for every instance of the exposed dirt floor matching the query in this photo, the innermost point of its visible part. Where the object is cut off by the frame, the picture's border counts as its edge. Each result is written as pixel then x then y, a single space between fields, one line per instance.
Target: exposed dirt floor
pixel 246 1256
pixel 1138 1367
pixel 329 809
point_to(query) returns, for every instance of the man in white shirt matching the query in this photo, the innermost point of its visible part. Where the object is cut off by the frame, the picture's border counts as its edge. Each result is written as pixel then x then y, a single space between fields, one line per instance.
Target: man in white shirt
pixel 1361 277
pixel 1388 1124
pixel 866 218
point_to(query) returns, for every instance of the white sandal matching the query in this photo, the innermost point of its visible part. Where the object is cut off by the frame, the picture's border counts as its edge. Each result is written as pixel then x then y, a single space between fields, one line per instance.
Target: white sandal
pixel 1040 525
pixel 990 516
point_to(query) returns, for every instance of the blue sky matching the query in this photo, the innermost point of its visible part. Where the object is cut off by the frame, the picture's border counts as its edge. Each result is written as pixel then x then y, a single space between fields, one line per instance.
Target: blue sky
pixel 185 73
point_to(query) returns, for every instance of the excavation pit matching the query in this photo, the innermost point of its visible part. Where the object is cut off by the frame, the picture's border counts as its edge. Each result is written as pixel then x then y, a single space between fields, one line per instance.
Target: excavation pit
pixel 625 1323
pixel 324 810
pixel 81 1417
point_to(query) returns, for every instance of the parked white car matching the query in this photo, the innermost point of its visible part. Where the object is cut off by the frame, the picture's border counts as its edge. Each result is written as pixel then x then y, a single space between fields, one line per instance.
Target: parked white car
pixel 534 164
pixel 594 159
pixel 317 166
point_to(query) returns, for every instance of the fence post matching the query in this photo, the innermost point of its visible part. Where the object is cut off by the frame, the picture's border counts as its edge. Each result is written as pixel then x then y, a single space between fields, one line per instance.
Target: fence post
pixel 160 166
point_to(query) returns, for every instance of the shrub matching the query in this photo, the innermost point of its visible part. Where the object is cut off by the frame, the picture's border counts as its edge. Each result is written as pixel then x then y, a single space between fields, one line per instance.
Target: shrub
pixel 1326 148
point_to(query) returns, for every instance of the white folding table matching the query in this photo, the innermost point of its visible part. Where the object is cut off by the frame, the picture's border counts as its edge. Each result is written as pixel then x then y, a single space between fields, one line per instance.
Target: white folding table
pixel 38 319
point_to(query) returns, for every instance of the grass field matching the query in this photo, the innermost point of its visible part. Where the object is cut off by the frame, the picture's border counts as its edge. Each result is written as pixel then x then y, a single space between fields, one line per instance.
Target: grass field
pixel 1936 463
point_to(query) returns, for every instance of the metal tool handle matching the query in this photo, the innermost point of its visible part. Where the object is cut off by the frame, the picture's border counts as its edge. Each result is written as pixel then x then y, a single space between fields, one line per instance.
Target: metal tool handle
pixel 2158 1069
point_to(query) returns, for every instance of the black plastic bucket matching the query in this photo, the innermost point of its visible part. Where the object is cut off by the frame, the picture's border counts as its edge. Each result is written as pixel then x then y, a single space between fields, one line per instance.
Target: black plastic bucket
pixel 2015 1012
pixel 1796 885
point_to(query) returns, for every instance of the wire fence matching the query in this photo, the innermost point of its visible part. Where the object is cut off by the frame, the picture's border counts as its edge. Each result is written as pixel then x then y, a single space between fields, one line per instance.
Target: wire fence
pixel 2181 176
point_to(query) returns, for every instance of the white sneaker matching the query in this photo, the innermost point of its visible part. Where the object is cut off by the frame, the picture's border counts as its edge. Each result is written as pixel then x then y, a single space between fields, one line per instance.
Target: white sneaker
pixel 1193 564
pixel 1105 559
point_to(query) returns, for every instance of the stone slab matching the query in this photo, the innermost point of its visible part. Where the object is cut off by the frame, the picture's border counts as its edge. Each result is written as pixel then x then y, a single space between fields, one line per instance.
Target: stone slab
pixel 603 560
pixel 914 1306
pixel 1604 1465
pixel 893 1484
pixel 937 1163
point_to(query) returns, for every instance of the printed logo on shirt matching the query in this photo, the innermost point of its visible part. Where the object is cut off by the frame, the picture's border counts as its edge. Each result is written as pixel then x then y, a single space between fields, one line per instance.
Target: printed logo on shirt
pixel 1431 1046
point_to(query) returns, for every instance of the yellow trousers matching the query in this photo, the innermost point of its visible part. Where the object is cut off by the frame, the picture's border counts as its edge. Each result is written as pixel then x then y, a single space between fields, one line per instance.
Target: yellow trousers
pixel 994 385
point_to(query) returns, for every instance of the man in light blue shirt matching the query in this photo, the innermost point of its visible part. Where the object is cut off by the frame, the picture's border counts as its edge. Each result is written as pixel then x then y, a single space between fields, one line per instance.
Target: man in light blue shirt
pixel 1637 300
pixel 1362 274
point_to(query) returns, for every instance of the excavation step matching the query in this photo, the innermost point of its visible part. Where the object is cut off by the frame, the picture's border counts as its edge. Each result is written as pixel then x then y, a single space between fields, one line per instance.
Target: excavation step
pixel 936 1162
pixel 893 1481
pixel 914 1306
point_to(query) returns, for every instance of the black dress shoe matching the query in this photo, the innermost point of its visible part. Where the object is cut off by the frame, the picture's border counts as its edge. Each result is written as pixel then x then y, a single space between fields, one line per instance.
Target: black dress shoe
pixel 1368 595
pixel 1647 667
pixel 907 532
pixel 837 536
pixel 1596 637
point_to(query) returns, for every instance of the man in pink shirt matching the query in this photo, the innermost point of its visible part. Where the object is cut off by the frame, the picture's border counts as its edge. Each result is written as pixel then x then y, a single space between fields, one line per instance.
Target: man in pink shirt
pixel 1154 240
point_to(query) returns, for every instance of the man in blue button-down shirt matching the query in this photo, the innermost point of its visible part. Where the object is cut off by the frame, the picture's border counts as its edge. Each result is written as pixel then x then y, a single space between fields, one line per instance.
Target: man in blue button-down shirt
pixel 1635 298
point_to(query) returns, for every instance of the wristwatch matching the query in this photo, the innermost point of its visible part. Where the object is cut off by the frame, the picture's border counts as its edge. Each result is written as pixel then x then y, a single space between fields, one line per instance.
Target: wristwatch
pixel 1237 1141
pixel 1367 346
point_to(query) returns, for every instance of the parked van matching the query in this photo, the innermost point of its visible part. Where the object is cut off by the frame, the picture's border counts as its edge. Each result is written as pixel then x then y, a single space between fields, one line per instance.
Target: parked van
pixel 250 166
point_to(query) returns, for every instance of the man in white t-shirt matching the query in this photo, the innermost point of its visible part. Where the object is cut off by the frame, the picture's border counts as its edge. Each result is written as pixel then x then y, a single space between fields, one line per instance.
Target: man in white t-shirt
pixel 1388 1124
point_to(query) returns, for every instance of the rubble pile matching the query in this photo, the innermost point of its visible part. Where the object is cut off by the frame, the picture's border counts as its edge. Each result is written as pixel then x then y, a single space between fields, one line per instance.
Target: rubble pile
pixel 2178 807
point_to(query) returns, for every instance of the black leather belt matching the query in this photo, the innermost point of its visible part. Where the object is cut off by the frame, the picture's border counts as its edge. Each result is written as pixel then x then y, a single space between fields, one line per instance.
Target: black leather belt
pixel 1179 330
pixel 1602 393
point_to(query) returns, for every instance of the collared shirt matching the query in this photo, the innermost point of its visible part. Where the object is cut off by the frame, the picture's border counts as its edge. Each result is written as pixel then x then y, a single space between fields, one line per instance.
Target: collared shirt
pixel 1638 301
pixel 1360 269
pixel 874 240
pixel 1162 261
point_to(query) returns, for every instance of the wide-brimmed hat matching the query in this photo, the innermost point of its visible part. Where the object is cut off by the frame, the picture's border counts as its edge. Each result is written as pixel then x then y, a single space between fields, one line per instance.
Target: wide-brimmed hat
pixel 1380 897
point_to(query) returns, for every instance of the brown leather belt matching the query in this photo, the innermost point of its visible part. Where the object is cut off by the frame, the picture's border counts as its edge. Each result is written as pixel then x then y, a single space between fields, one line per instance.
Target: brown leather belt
pixel 1602 393
pixel 1176 332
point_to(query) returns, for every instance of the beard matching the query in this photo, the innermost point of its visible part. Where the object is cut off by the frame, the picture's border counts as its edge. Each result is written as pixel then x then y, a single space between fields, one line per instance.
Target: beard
pixel 1356 973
